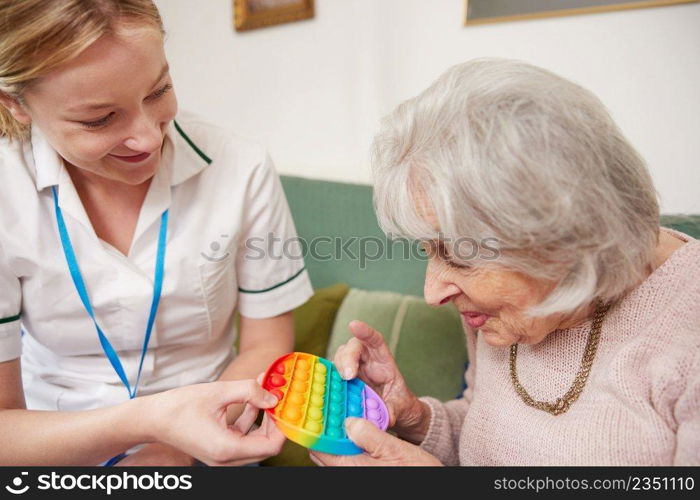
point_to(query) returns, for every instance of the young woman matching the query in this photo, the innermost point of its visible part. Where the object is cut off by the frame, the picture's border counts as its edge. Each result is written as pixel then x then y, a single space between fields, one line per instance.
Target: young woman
pixel 123 229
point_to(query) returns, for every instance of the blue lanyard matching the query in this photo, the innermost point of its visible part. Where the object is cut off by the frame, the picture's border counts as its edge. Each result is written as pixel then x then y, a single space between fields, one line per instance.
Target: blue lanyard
pixel 82 291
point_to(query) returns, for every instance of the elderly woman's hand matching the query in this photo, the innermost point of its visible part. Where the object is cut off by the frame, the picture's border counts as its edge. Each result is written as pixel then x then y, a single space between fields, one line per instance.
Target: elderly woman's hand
pixel 367 356
pixel 380 448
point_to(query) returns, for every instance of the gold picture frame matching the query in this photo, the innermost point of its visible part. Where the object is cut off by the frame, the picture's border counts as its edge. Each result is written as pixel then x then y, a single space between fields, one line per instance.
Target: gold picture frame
pixel 253 14
pixel 517 10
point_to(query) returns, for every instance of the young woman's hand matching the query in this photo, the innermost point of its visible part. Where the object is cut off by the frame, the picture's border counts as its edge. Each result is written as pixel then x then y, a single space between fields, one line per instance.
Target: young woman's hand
pixel 367 356
pixel 193 419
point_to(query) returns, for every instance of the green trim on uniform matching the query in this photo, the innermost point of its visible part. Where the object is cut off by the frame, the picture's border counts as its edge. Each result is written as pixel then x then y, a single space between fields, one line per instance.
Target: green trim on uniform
pixel 242 290
pixel 192 144
pixel 10 319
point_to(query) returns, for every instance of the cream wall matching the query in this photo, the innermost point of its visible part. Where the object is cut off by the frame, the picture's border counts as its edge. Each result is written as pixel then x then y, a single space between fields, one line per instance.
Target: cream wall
pixel 314 91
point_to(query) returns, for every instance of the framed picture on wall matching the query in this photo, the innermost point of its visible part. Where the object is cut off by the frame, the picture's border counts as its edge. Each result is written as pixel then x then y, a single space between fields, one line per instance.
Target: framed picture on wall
pixel 493 11
pixel 252 14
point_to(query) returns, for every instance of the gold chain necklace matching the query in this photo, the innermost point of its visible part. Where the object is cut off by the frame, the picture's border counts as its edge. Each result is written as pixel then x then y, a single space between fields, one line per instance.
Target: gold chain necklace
pixel 562 404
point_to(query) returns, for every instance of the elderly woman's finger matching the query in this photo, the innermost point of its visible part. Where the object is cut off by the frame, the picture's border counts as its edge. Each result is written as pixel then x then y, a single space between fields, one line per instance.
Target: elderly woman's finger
pixel 365 333
pixel 370 337
pixel 377 443
pixel 315 460
pixel 338 352
pixel 380 448
pixel 327 460
pixel 347 359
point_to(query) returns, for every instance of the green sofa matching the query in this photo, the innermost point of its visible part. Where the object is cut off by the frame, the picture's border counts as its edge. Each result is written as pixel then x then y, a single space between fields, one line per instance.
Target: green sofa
pixel 385 290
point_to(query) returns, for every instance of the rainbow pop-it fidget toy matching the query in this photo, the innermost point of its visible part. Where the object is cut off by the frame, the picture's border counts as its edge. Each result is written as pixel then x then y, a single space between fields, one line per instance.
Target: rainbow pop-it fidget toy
pixel 314 401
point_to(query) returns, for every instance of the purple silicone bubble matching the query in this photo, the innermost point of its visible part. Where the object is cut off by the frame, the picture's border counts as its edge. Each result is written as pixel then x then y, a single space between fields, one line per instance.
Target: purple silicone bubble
pixel 374 408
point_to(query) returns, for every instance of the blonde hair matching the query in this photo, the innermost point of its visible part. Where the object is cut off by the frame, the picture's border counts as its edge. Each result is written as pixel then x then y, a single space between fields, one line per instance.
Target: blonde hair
pixel 508 152
pixel 37 36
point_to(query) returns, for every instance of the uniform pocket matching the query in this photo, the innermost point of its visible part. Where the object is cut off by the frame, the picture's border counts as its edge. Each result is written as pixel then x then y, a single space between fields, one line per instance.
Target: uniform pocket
pixel 182 318
pixel 218 279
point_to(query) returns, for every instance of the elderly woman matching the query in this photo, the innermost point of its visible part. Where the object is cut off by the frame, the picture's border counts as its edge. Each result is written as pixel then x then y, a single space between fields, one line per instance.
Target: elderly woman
pixel 584 332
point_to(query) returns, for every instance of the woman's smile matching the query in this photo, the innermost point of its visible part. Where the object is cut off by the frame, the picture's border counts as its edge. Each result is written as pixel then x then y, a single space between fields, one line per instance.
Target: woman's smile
pixel 137 158
pixel 475 319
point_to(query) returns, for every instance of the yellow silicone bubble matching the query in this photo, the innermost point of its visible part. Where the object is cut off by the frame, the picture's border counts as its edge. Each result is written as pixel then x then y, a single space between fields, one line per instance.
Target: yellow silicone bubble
pixel 318 390
pixel 319 377
pixel 321 368
pixel 303 364
pixel 317 401
pixel 301 374
pixel 313 426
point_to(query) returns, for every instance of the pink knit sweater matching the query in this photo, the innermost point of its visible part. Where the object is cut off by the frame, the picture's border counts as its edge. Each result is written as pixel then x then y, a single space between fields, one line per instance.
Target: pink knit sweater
pixel 640 405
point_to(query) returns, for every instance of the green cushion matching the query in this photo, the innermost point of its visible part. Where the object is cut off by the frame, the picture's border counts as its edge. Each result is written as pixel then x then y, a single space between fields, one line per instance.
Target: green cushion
pixel 688 224
pixel 313 322
pixel 428 343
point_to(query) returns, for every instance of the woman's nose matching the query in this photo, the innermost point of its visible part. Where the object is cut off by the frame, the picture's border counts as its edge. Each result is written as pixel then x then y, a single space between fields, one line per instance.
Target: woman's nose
pixel 145 135
pixel 438 288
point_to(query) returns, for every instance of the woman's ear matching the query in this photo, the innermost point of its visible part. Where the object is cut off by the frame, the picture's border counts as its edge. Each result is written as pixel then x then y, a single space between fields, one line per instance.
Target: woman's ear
pixel 15 108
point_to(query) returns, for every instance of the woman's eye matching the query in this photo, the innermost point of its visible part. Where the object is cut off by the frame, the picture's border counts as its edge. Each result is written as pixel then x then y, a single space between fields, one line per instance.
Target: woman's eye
pixel 105 119
pixel 446 257
pixel 160 92
pixel 442 253
pixel 457 266
pixel 98 123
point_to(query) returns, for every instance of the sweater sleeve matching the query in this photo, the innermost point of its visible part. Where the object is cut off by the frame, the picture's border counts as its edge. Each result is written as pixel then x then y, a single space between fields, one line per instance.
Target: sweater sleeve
pixel 687 412
pixel 447 419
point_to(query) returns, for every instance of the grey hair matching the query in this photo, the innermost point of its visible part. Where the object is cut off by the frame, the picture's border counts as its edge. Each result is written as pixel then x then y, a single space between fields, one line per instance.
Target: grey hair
pixel 506 150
